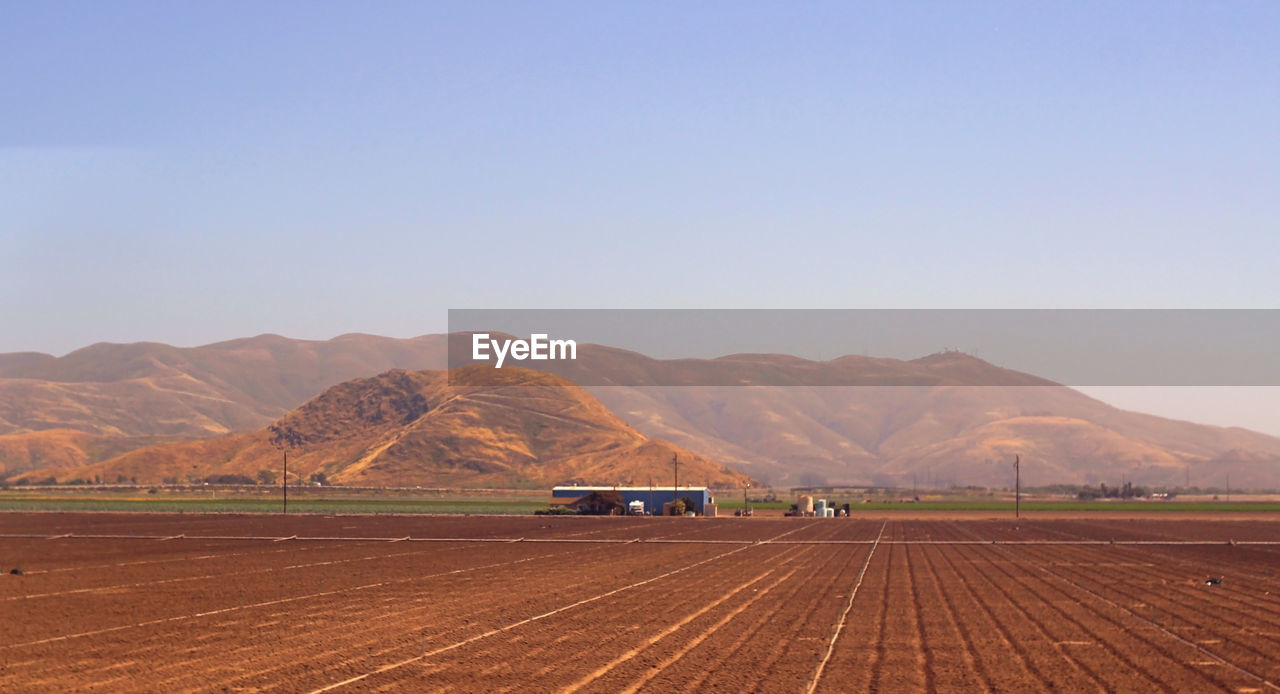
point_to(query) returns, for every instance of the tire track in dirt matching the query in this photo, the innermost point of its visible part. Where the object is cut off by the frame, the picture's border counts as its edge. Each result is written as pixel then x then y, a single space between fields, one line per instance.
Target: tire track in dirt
pixel 1111 645
pixel 1243 605
pixel 856 658
pixel 762 665
pixel 624 658
pixel 222 576
pixel 844 617
pixel 970 654
pixel 444 649
pixel 508 626
pixel 266 603
pixel 636 609
pixel 1205 677
pixel 1246 607
pixel 926 653
pixel 703 636
pixel 167 560
pixel 1208 622
pixel 162 653
pixel 1008 553
pixel 121 592
pixel 1271 578
pixel 762 675
pixel 1041 628
pixel 1010 641
pixel 375 617
pixel 608 623
pixel 242 605
pixel 421 619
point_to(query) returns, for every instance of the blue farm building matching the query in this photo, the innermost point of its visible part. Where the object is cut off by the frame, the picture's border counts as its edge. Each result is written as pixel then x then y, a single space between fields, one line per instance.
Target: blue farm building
pixel 652 497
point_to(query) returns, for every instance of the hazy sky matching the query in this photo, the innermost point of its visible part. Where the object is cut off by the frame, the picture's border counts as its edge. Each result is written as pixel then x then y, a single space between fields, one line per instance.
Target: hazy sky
pixel 192 172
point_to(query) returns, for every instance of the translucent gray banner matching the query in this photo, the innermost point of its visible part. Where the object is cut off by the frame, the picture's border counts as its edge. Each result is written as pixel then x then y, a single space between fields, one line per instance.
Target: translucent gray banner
pixel 882 347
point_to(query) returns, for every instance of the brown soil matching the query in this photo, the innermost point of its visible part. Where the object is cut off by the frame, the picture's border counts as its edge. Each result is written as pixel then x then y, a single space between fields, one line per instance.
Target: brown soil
pixel 623 604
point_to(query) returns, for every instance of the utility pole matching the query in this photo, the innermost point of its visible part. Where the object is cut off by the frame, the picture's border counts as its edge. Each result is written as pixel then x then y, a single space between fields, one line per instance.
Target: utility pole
pixel 675 489
pixel 1017 486
pixel 284 482
pixel 746 505
pixel 1228 487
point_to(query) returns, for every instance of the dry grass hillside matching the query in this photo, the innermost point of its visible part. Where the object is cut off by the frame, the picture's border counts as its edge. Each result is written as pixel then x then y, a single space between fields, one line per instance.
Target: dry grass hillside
pixel 149 389
pixel 942 435
pixel 956 425
pixel 413 428
pixel 129 395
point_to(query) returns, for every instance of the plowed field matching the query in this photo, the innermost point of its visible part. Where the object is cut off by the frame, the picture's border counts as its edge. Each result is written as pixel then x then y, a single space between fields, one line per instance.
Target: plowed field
pixel 123 602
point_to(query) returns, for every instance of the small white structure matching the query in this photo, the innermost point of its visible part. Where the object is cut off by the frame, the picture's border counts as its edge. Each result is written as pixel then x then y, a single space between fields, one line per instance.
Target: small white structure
pixel 635 508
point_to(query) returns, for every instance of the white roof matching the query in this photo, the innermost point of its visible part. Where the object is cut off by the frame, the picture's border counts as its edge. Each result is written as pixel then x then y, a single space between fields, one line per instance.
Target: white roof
pixel 628 489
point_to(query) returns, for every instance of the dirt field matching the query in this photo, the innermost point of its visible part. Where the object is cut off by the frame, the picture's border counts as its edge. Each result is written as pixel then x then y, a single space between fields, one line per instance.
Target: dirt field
pixel 231 603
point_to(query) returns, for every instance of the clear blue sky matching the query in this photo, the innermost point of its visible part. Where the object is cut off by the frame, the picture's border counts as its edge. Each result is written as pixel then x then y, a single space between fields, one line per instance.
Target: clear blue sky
pixel 191 172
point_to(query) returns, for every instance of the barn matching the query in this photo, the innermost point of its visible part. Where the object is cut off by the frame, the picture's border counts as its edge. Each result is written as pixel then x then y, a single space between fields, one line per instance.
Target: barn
pixel 652 497
pixel 604 502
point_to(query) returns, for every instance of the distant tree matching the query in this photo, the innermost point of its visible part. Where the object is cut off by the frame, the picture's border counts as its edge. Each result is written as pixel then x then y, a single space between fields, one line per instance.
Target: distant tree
pixel 320 478
pixel 229 479
pixel 555 511
pixel 688 504
pixel 677 507
pixel 267 477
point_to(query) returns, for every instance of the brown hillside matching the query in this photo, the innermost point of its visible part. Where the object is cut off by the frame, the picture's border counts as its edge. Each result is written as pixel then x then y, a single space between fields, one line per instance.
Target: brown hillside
pixel 61 448
pixel 412 428
pixel 794 432
pixel 944 435
pixel 148 389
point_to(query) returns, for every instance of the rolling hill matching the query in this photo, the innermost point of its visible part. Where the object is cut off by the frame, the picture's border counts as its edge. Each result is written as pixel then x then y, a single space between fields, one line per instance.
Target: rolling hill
pixel 959 423
pixel 412 428
pixel 942 435
pixel 122 396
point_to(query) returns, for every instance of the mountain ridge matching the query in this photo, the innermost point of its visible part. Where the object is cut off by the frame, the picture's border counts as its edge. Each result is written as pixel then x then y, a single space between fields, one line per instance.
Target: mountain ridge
pixel 405 427
pixel 786 434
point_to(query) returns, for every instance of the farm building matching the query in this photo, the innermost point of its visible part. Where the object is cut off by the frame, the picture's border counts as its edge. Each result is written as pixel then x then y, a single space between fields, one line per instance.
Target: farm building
pixel 652 497
pixel 602 502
